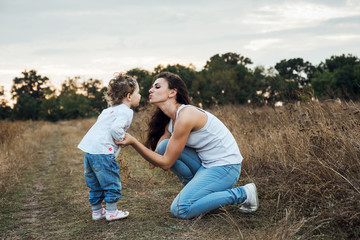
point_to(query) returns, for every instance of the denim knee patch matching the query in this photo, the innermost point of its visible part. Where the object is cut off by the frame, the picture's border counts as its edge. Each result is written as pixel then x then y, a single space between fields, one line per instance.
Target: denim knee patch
pixel 179 209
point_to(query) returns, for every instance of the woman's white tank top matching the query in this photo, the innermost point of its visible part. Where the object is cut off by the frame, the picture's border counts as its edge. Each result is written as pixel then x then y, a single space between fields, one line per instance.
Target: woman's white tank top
pixel 214 143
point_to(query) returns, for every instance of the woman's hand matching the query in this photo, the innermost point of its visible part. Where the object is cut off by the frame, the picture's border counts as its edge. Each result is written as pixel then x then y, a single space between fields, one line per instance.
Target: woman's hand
pixel 128 140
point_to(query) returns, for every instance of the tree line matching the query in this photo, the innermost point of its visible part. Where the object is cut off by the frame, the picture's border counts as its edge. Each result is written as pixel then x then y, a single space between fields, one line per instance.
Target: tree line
pixel 225 79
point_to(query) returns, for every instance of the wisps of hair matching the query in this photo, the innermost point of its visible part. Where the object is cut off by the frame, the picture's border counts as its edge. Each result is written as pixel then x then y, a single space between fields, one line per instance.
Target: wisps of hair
pixel 118 88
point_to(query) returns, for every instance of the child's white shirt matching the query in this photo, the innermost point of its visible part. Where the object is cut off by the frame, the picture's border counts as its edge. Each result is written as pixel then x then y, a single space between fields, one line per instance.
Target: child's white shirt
pixel 111 124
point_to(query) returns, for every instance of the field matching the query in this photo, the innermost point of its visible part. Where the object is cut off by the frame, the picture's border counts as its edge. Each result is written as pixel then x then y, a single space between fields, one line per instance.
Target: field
pixel 304 159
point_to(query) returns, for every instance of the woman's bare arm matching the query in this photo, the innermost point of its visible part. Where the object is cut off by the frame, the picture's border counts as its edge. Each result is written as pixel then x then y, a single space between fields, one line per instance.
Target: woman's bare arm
pixel 183 126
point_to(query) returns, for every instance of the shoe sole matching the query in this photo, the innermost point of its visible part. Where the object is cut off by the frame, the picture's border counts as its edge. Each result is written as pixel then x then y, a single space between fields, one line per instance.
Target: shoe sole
pixel 257 199
pixel 98 219
pixel 117 218
pixel 257 202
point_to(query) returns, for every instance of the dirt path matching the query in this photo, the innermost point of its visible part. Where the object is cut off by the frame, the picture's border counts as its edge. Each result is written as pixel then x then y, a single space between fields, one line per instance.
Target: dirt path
pixel 52 201
pixel 33 208
pixel 30 209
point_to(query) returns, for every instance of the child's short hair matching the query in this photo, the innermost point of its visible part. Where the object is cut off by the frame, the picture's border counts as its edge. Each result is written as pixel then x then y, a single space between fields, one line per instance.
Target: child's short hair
pixel 118 88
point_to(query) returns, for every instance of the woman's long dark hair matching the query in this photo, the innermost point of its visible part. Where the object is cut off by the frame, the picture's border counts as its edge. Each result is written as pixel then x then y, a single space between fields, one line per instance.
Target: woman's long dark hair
pixel 159 120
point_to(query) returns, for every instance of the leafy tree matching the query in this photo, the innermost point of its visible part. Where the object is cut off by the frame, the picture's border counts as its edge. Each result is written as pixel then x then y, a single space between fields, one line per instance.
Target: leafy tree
pixel 249 83
pixel 226 79
pixel 339 76
pixel 219 87
pixel 259 85
pixel 296 69
pixel 324 84
pixel 91 87
pixel 292 81
pixel 29 91
pixel 26 107
pixel 72 104
pixel 95 93
pixel 32 84
pixel 279 89
pixel 336 62
pixel 70 86
pixel 141 75
pixel 203 93
pixel 50 109
pixel 5 110
pixel 98 102
pixel 226 61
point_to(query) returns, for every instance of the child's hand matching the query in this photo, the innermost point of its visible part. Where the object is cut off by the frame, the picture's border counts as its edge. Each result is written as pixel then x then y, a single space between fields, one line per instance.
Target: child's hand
pixel 128 140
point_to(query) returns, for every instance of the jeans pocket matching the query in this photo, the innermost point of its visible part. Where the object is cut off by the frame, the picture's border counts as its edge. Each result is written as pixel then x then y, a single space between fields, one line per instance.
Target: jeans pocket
pixel 235 180
pixel 97 166
pixel 230 169
pixel 233 172
pixel 115 166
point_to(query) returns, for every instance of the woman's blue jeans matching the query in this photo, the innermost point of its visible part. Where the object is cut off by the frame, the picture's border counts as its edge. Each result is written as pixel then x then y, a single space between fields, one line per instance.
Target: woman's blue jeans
pixel 205 189
pixel 102 177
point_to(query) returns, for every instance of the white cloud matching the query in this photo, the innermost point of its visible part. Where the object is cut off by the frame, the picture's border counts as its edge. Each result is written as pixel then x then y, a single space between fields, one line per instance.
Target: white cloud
pixel 95 39
pixel 353 3
pixel 301 14
pixel 259 44
pixel 340 37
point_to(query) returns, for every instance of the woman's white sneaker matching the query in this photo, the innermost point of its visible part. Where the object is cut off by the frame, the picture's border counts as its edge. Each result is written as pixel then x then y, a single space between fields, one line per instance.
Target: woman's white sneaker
pixel 251 203
pixel 111 216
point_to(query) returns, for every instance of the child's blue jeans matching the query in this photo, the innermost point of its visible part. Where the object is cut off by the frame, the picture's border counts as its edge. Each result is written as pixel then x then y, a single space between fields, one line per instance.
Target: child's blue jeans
pixel 205 189
pixel 102 177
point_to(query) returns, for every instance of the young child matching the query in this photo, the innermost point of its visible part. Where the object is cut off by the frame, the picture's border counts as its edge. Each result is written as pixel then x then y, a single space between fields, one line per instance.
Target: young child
pixel 101 169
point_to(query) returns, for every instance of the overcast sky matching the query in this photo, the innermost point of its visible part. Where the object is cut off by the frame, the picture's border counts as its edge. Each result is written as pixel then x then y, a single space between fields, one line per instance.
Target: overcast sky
pixel 94 39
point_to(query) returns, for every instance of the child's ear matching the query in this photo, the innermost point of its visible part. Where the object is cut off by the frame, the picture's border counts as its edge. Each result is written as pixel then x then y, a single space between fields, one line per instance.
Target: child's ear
pixel 128 96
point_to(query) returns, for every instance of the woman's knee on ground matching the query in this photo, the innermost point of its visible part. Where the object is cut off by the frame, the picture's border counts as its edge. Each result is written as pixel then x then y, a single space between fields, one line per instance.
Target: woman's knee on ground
pixel 161 148
pixel 180 210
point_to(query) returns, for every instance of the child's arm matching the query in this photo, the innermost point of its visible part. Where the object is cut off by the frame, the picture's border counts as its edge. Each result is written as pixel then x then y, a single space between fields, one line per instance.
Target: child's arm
pixel 119 127
pixel 183 126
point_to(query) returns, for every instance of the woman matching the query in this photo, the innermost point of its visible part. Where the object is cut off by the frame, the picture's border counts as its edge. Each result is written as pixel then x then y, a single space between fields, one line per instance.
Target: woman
pixel 197 147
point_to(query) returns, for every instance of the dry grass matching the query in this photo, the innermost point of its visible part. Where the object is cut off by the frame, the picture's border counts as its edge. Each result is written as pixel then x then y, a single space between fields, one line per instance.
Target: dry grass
pixel 303 158
pixel 19 144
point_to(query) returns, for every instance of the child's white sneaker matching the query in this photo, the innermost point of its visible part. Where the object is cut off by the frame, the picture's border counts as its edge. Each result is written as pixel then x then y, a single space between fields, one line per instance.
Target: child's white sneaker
pixel 251 203
pixel 97 215
pixel 111 216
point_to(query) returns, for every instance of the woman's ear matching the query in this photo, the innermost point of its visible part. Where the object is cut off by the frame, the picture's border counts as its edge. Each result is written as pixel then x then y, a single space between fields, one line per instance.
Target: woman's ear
pixel 173 92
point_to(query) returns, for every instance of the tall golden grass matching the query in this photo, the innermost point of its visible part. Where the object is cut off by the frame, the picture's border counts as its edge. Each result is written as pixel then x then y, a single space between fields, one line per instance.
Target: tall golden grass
pixel 304 159
pixel 19 144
